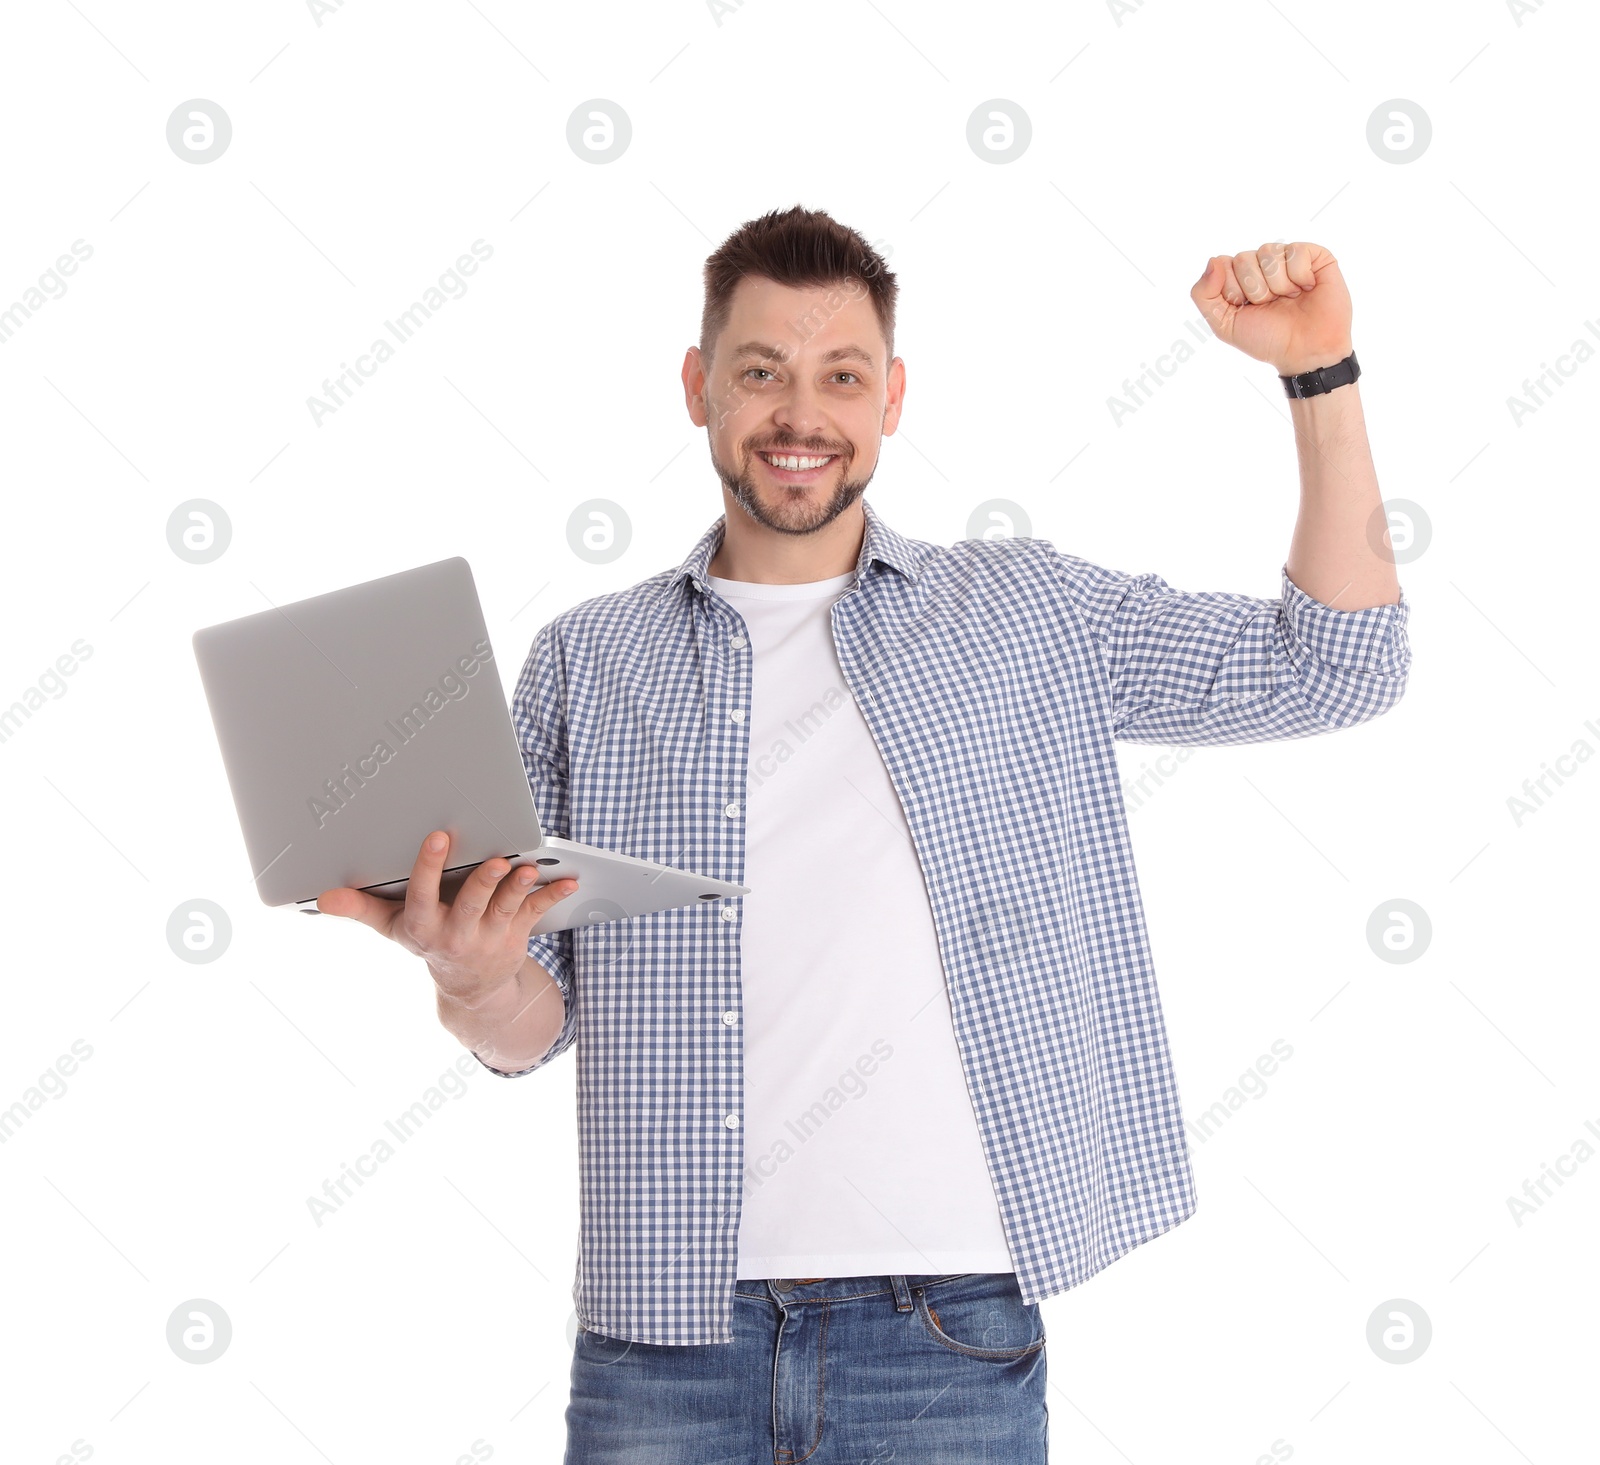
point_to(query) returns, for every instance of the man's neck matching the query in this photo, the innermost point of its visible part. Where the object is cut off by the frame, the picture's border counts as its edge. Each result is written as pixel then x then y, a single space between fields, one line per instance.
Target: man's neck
pixel 752 553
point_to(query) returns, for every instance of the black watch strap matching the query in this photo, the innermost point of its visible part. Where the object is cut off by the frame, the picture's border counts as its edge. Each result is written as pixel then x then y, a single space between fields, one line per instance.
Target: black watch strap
pixel 1323 379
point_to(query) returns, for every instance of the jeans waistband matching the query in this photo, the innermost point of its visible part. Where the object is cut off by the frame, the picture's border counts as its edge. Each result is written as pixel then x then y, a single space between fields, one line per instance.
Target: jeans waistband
pixel 790 1290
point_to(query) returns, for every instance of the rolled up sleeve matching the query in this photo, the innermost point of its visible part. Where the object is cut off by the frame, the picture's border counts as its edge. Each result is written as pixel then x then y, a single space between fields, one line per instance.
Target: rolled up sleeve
pixel 538 711
pixel 1206 667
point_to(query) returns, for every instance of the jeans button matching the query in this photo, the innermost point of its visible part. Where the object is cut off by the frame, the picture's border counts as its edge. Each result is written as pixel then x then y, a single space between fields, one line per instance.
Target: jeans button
pixel 783 1284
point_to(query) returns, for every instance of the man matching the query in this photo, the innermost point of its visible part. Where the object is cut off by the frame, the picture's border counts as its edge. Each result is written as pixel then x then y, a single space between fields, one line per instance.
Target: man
pixel 838 1138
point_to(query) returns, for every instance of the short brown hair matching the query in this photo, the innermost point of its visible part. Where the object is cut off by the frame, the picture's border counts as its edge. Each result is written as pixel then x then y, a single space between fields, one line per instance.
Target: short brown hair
pixel 797 246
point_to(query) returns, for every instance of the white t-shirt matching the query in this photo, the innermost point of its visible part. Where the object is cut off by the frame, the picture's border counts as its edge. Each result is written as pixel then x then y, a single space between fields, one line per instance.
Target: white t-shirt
pixel 861 1146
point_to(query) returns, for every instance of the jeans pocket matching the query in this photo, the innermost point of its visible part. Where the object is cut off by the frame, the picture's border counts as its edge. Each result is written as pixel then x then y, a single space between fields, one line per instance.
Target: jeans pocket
pixel 981 1315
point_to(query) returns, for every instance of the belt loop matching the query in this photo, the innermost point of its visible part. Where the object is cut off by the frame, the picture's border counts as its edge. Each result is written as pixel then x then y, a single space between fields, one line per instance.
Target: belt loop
pixel 902 1294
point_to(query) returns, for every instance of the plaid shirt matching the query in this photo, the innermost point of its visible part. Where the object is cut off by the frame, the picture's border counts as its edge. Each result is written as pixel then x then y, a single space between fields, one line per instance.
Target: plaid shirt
pixel 994 676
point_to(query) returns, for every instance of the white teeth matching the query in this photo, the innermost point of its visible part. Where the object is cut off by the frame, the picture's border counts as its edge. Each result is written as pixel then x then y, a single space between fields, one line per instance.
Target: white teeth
pixel 794 464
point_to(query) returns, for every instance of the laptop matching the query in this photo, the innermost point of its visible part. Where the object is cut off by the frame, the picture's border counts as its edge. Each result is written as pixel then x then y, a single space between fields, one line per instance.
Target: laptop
pixel 353 723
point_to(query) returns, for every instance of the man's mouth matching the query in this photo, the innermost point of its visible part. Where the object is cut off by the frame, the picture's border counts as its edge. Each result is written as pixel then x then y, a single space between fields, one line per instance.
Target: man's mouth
pixel 797 467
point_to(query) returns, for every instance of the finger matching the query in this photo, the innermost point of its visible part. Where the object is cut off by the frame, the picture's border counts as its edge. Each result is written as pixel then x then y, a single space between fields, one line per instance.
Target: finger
pixel 507 897
pixel 422 889
pixel 1298 263
pixel 551 893
pixel 477 890
pixel 357 905
pixel 1232 293
pixel 1247 274
pixel 1275 272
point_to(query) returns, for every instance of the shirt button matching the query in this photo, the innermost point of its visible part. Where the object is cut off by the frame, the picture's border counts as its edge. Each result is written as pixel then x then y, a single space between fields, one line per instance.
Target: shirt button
pixel 731 1120
pixel 731 811
pixel 737 714
pixel 729 1018
pixel 737 642
pixel 729 914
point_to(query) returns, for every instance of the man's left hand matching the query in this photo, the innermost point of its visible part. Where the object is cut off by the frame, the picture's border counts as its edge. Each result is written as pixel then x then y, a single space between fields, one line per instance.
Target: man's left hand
pixel 1283 303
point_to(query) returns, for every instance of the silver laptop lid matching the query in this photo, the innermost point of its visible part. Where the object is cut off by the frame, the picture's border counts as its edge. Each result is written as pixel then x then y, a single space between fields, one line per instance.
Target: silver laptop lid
pixel 392 683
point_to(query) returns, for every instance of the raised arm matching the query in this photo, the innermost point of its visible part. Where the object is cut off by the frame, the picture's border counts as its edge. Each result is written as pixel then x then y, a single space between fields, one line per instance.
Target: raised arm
pixel 1198 667
pixel 1287 304
pixel 1332 650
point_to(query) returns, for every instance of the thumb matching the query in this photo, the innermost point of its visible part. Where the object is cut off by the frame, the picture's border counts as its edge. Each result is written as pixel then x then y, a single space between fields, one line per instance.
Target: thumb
pixel 357 905
pixel 1208 292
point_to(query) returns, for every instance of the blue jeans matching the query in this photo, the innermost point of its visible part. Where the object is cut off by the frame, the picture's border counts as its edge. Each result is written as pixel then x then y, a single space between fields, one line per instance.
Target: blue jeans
pixel 939 1370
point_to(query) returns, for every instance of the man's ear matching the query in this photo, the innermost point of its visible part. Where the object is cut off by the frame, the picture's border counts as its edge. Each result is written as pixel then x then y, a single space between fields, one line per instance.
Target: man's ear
pixel 894 396
pixel 695 378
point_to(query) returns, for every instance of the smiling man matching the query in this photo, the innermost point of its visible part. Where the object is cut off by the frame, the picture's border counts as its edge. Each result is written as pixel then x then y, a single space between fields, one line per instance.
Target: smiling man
pixel 840 1137
pixel 811 473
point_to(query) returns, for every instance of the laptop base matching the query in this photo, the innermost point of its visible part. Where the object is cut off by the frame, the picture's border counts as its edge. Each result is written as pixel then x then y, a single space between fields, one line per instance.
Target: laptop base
pixel 611 887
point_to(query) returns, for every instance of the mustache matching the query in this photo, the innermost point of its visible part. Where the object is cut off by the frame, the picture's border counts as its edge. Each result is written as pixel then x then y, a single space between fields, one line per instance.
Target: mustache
pixel 812 450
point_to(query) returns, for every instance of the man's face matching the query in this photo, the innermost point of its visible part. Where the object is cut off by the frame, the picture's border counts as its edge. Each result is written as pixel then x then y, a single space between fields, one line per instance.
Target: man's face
pixel 796 397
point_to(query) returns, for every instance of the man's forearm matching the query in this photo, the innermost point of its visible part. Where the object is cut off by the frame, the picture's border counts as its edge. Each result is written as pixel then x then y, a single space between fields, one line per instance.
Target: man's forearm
pixel 1338 554
pixel 515 1026
pixel 1287 304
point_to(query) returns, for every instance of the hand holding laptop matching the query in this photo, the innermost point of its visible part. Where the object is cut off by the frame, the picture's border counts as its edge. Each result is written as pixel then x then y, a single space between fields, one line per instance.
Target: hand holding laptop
pixel 353 721
pixel 474 945
pixel 349 722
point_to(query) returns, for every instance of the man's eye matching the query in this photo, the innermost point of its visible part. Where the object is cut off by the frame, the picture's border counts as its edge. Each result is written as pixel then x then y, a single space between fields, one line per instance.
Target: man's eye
pixel 853 378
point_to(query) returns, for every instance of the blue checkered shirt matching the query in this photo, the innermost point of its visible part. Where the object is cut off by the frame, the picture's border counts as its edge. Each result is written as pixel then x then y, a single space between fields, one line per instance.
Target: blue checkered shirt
pixel 994 676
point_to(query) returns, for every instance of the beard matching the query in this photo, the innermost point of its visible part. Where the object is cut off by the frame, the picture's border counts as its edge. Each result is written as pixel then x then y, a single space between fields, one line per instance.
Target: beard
pixel 791 510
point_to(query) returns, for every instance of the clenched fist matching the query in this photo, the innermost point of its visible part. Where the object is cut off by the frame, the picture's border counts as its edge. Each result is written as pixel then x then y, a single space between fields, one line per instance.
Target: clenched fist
pixel 1283 303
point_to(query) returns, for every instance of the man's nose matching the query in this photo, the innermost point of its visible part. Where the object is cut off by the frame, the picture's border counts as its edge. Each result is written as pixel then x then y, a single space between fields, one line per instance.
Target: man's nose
pixel 800 410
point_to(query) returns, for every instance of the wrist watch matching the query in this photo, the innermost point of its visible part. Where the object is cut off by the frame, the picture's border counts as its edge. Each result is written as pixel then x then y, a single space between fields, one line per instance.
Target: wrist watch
pixel 1323 379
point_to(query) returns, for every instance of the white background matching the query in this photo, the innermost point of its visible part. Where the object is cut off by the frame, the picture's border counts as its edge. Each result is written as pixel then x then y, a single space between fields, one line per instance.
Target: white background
pixel 368 152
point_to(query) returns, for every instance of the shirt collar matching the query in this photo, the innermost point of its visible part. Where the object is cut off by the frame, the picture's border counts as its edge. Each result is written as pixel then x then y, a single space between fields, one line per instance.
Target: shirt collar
pixel 880 542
